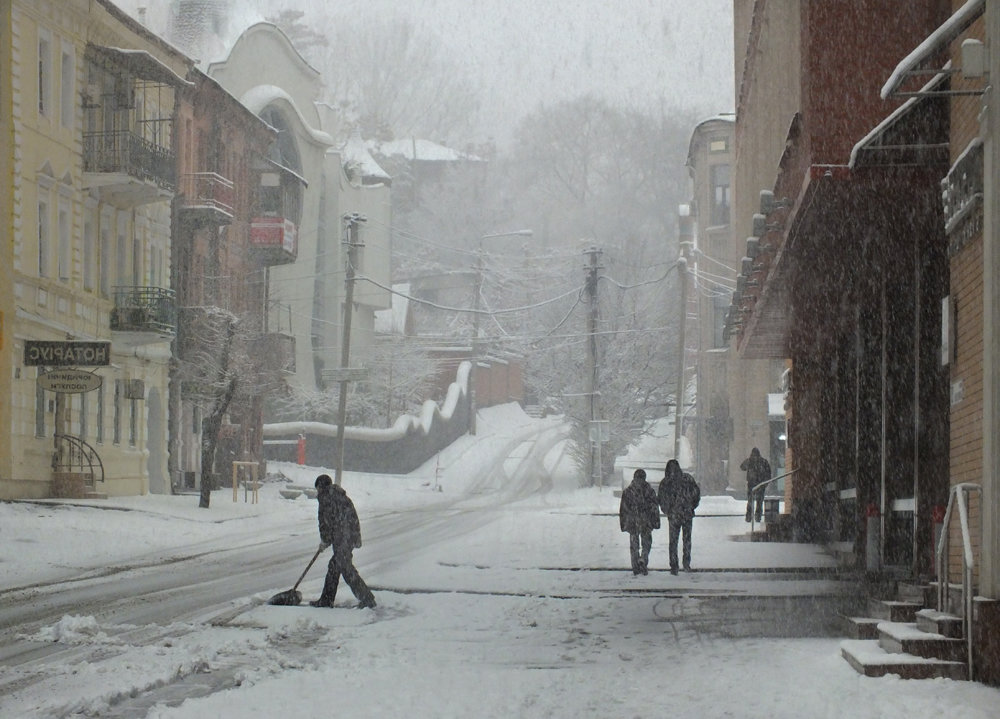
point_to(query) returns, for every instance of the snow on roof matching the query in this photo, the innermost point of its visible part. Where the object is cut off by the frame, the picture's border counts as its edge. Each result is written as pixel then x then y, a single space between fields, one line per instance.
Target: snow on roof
pixel 260 96
pixel 948 31
pixel 356 157
pixel 415 148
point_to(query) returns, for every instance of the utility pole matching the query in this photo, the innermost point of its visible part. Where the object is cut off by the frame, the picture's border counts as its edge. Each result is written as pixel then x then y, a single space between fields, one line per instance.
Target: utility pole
pixel 595 428
pixel 351 222
pixel 685 243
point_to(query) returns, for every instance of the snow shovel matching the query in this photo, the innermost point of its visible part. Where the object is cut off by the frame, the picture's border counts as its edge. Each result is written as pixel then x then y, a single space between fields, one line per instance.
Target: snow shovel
pixel 293 597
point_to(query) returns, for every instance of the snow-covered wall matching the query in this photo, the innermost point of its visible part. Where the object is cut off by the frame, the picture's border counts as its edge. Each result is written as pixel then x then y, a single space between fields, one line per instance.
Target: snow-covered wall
pixel 400 449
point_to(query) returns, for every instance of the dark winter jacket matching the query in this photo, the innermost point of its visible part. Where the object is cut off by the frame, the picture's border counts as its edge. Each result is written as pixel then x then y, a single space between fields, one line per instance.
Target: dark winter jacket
pixel 757 468
pixel 338 520
pixel 638 511
pixel 679 494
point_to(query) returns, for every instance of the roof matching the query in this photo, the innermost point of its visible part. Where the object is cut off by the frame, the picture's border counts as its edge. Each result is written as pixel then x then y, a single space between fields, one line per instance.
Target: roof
pixel 142 63
pixel 356 156
pixel 415 148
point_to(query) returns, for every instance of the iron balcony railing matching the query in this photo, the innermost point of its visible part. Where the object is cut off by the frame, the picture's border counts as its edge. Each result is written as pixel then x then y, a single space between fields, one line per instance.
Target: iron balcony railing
pixel 125 152
pixel 208 190
pixel 144 309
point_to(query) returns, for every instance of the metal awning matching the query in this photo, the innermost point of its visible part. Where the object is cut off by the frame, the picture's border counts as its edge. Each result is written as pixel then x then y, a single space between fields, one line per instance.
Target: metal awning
pixel 914 134
pixel 935 42
pixel 140 63
pixel 266 164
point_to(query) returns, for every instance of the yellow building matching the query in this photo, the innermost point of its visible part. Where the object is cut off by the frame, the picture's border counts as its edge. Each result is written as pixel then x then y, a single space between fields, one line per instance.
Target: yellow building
pixel 87 182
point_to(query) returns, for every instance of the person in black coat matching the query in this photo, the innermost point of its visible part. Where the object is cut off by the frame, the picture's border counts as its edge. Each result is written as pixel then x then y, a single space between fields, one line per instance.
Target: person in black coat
pixel 678 495
pixel 339 526
pixel 639 515
pixel 758 470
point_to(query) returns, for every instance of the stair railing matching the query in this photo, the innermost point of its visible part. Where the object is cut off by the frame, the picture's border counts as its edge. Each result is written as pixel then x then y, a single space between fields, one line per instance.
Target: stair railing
pixel 753 493
pixel 73 454
pixel 959 496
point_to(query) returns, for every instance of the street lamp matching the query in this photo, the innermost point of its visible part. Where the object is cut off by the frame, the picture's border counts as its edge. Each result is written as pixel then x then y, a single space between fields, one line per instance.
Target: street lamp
pixel 476 345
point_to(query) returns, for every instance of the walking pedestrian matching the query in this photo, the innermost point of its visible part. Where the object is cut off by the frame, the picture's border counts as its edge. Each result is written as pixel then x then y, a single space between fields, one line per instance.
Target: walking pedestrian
pixel 639 515
pixel 758 470
pixel 678 495
pixel 339 526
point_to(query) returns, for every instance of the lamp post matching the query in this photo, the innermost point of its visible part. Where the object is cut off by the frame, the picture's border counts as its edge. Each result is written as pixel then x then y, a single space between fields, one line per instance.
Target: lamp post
pixel 476 345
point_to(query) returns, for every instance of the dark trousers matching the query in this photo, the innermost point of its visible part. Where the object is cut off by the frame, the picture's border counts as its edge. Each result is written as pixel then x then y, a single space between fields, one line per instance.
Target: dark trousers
pixel 342 564
pixel 638 545
pixel 675 531
pixel 755 503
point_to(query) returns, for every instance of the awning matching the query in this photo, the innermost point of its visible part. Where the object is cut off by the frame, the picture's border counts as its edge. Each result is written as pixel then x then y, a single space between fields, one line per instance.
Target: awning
pixel 914 134
pixel 265 164
pixel 935 42
pixel 140 63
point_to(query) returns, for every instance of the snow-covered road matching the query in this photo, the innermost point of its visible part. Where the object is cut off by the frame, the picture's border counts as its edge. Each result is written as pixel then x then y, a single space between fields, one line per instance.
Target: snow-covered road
pixel 495 600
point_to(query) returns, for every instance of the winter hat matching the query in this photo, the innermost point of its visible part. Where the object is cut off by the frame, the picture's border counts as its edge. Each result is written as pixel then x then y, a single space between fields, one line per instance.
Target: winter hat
pixel 324 482
pixel 639 474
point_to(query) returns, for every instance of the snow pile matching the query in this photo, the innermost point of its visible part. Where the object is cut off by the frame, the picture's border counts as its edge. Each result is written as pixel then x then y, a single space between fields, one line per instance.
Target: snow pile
pixel 71 629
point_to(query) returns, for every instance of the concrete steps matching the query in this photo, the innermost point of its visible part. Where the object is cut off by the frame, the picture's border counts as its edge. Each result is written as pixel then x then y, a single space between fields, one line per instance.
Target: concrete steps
pixel 871 660
pixel 900 636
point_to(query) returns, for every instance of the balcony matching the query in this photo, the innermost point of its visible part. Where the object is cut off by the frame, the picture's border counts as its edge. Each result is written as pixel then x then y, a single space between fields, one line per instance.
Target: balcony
pixel 143 315
pixel 207 199
pixel 126 169
pixel 273 240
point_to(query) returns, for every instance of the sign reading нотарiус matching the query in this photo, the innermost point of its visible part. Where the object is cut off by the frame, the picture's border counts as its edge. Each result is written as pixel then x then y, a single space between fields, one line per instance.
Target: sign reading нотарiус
pixel 41 353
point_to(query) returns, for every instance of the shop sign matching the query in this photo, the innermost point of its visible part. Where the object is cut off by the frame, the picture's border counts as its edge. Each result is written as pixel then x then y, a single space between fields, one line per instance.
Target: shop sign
pixel 70 381
pixel 40 353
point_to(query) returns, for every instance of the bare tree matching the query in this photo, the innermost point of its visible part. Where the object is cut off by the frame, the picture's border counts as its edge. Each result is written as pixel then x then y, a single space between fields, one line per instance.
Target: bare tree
pixel 213 360
pixel 393 79
pixel 399 379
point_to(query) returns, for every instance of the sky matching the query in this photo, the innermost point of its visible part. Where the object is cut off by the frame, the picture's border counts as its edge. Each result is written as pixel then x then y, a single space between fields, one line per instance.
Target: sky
pixel 533 614
pixel 524 52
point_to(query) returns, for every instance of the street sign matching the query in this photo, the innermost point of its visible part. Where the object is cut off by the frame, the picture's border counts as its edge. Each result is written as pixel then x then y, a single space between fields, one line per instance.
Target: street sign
pixel 70 381
pixel 345 374
pixel 40 353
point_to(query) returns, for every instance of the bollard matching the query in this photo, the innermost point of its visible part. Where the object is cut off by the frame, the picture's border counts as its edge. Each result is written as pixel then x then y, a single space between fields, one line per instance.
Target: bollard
pixel 301 450
pixel 873 538
pixel 937 525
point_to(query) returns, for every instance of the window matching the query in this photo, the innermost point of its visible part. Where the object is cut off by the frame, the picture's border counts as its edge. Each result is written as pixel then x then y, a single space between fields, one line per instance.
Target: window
pixel 121 259
pixel 88 254
pixel 117 414
pixel 39 407
pixel 43 238
pixel 718 144
pixel 100 414
pixel 44 74
pixel 719 179
pixel 64 239
pixel 137 278
pixel 133 418
pixel 67 86
pixel 83 415
pixel 105 262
